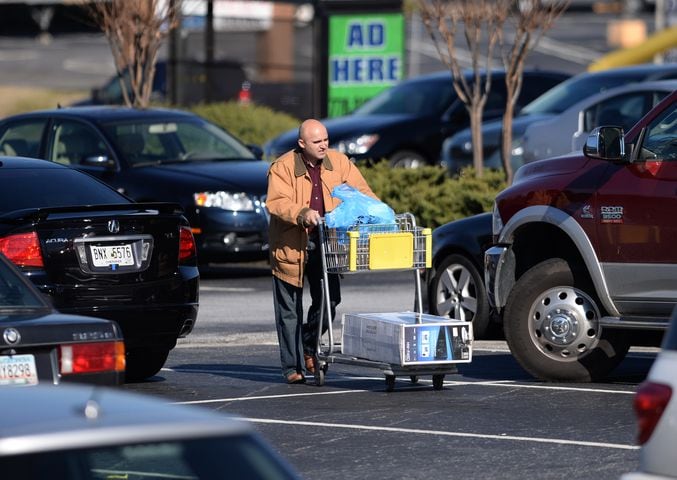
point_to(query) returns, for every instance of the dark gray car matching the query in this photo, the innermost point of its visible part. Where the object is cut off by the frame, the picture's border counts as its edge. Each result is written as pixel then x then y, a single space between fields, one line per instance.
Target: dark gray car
pixel 100 433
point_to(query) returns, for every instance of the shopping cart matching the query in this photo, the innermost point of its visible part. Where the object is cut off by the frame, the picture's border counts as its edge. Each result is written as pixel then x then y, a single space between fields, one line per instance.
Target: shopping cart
pixel 399 343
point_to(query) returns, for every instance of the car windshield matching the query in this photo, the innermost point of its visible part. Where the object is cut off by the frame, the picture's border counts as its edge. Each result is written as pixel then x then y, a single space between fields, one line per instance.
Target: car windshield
pixel 26 188
pixel 559 98
pixel 154 142
pixel 210 459
pixel 413 98
pixel 14 293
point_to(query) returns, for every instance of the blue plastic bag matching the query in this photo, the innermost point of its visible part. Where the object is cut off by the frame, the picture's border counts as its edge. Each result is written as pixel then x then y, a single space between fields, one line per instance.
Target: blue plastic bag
pixel 356 208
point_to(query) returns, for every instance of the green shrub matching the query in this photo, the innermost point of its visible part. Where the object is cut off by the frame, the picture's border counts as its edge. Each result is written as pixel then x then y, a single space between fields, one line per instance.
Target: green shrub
pixel 253 124
pixel 432 196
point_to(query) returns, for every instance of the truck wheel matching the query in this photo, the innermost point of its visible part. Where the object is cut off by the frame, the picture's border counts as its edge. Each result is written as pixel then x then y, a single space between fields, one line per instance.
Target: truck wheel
pixel 551 325
pixel 457 292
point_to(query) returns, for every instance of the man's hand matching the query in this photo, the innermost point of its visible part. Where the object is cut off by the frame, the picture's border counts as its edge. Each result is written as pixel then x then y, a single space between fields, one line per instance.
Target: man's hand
pixel 311 218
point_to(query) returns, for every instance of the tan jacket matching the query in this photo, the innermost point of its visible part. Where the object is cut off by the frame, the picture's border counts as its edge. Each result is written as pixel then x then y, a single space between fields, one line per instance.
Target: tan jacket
pixel 289 188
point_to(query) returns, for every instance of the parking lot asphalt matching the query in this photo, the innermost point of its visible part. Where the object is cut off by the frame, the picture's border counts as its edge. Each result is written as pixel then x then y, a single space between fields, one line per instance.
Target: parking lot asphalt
pixel 490 420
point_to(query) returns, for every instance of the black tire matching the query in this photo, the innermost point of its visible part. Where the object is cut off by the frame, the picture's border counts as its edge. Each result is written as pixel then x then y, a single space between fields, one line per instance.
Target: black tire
pixel 143 364
pixel 390 383
pixel 319 376
pixel 407 159
pixel 457 291
pixel 551 325
pixel 413 378
pixel 438 382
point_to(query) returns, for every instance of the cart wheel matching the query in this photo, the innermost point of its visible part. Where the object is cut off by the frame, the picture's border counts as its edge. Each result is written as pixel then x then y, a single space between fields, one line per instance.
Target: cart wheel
pixel 390 383
pixel 319 375
pixel 438 382
pixel 413 378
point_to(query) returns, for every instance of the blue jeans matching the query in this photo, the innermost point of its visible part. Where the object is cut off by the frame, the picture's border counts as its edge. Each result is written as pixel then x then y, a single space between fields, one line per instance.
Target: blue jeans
pixel 295 337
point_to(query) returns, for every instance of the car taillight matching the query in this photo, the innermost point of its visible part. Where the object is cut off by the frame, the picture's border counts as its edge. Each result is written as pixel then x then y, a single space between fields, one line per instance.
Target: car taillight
pixel 22 249
pixel 92 357
pixel 650 402
pixel 187 248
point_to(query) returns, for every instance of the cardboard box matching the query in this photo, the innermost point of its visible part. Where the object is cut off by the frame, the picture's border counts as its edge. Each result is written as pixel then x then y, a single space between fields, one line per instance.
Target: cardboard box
pixel 399 339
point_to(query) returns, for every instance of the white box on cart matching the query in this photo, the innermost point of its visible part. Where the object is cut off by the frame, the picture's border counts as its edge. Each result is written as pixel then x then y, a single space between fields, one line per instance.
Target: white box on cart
pixel 399 339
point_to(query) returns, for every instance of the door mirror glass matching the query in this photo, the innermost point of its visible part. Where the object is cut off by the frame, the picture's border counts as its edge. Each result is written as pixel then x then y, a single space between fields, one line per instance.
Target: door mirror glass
pixel 606 143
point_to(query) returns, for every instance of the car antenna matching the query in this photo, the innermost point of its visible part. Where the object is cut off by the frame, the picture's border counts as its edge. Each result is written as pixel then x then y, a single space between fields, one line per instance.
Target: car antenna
pixel 92 406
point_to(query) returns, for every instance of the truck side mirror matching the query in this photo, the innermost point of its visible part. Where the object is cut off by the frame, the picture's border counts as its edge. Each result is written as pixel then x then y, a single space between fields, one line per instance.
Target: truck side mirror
pixel 606 143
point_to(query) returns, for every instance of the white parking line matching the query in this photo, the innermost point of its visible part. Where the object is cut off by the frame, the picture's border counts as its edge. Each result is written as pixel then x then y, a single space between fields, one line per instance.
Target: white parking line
pixel 441 433
pixel 489 383
pixel 558 441
pixel 266 397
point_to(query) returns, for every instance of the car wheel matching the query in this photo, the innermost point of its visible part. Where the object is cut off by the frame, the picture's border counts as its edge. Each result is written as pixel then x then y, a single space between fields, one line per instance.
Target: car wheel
pixel 457 291
pixel 551 325
pixel 407 159
pixel 143 364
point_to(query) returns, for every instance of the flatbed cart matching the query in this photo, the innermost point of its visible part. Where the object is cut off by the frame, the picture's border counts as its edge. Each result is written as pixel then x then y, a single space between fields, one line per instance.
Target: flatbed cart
pixel 405 349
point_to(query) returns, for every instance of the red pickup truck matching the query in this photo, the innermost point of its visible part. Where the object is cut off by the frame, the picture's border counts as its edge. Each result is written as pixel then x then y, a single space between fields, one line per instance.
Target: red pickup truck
pixel 584 262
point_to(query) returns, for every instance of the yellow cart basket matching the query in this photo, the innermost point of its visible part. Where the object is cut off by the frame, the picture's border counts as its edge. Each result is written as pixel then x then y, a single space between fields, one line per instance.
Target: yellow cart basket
pixel 398 246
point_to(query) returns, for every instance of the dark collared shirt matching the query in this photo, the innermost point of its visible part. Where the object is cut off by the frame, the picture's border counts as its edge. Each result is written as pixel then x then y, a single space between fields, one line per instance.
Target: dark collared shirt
pixel 316 199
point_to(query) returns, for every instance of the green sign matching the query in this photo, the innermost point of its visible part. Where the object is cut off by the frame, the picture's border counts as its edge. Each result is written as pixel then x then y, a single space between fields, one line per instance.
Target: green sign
pixel 366 55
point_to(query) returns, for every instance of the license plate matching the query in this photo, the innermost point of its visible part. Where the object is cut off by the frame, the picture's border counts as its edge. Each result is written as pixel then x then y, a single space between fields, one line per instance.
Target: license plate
pixel 18 370
pixel 105 256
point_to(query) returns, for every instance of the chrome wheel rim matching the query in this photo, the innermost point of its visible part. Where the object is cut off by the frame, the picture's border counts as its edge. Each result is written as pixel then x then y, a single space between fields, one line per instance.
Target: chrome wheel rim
pixel 564 323
pixel 456 295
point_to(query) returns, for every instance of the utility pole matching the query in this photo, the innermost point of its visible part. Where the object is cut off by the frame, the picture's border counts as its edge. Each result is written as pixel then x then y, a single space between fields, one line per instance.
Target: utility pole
pixel 173 60
pixel 209 52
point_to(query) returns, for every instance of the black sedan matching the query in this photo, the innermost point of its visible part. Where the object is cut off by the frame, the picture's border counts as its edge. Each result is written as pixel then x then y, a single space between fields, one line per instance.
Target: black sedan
pixel 39 345
pixel 407 124
pixel 159 155
pixel 455 283
pixel 97 253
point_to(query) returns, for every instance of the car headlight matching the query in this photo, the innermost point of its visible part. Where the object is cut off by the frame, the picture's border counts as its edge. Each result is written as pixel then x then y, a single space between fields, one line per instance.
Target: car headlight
pixel 357 145
pixel 517 149
pixel 238 202
pixel 496 221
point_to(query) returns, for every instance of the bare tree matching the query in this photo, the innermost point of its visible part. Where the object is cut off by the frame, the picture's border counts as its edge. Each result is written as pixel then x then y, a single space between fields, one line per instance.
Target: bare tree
pixel 481 22
pixel 135 30
pixel 532 18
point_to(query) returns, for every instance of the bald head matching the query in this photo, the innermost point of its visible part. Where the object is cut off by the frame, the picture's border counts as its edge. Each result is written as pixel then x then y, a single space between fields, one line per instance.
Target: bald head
pixel 313 140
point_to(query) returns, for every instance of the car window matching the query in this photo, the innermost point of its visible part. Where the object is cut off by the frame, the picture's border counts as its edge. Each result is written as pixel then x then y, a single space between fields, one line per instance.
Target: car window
pixel 156 142
pixel 413 98
pixel 533 87
pixel 22 139
pixel 28 188
pixel 495 99
pixel 660 140
pixel 234 457
pixel 73 143
pixel 14 293
pixel 559 98
pixel 621 110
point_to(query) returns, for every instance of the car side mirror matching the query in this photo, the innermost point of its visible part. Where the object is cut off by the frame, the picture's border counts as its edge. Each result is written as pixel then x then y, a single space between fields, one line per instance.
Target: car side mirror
pixel 606 143
pixel 98 161
pixel 256 150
